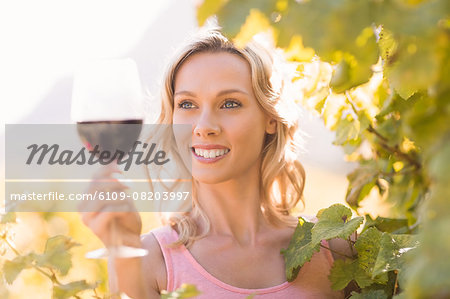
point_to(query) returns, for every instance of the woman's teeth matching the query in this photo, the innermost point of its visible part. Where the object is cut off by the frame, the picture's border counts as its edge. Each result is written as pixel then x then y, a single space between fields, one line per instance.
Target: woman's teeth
pixel 210 153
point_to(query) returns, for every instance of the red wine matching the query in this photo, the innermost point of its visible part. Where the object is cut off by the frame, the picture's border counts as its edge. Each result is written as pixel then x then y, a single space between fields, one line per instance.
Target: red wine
pixel 111 136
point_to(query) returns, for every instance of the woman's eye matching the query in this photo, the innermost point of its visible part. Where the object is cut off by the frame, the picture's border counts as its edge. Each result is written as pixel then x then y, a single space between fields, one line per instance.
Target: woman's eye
pixel 185 105
pixel 231 104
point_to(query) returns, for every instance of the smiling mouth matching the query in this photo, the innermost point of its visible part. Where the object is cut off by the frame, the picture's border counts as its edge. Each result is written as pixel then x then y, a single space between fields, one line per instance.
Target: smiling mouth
pixel 209 154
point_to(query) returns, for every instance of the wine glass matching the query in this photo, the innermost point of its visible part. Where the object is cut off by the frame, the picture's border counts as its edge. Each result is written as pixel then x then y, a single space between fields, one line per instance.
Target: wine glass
pixel 107 105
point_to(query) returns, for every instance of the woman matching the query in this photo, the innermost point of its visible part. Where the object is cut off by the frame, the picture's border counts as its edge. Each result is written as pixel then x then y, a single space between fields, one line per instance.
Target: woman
pixel 246 180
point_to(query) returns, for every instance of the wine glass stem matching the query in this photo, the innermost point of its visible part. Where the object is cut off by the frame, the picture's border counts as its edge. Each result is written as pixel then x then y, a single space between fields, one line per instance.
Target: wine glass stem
pixel 113 254
pixel 113 282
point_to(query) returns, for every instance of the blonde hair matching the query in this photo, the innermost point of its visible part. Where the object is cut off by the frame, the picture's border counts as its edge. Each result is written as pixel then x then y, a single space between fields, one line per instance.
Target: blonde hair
pixel 282 175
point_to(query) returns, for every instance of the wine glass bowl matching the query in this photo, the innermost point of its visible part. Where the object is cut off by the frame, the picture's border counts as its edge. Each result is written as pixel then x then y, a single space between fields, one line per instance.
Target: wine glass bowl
pixel 110 136
pixel 107 90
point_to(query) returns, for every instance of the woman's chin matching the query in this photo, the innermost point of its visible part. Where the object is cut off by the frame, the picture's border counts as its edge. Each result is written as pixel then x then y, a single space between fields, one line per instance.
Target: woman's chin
pixel 208 178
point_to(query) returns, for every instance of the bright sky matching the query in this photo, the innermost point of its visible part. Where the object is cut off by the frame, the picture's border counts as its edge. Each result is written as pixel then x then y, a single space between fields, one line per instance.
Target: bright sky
pixel 46 39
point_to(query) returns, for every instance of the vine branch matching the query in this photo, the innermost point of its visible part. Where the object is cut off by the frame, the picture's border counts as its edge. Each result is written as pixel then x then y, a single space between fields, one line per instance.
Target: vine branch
pixel 395 149
pixel 351 243
pixel 337 252
pixel 396 283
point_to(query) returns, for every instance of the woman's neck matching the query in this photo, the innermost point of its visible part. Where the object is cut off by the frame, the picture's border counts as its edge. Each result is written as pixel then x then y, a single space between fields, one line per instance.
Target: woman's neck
pixel 234 208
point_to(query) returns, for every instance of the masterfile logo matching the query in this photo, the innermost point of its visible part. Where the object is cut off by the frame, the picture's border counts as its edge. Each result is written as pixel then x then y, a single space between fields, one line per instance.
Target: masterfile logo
pixel 50 167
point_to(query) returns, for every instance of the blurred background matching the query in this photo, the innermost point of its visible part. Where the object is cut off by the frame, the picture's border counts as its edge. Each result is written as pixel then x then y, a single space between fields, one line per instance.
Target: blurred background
pixel 44 41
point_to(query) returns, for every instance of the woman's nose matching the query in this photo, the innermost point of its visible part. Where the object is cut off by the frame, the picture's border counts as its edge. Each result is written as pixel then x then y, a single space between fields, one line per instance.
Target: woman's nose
pixel 206 125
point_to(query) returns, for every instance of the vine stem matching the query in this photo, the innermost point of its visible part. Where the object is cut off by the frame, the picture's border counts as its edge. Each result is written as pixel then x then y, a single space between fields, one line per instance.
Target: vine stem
pixel 396 282
pixel 395 150
pixel 405 170
pixel 351 243
pixel 337 252
pixel 54 279
pixel 96 296
pixel 11 246
pixel 350 101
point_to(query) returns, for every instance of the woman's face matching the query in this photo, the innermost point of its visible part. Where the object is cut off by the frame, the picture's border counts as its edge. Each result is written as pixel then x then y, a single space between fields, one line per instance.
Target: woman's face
pixel 214 94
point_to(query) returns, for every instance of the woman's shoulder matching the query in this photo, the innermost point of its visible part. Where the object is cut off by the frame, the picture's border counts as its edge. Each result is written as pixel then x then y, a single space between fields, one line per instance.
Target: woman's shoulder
pixel 164 231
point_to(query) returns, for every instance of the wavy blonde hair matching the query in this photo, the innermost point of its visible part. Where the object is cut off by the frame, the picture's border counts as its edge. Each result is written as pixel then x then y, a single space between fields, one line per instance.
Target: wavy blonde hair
pixel 282 175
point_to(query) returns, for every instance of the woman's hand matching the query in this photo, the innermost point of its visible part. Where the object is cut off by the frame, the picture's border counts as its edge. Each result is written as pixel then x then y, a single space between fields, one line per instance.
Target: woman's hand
pixel 114 222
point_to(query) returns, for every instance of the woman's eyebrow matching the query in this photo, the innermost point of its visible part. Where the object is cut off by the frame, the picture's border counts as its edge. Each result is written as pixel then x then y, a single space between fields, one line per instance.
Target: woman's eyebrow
pixel 220 93
pixel 184 92
pixel 227 91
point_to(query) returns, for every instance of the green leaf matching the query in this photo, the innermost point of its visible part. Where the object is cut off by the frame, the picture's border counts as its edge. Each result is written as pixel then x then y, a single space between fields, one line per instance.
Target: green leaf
pixel 344 21
pixel 56 254
pixel 351 146
pixel 395 103
pixel 427 271
pixel 9 217
pixel 300 249
pixel 428 266
pixel 332 112
pixel 389 225
pixel 439 164
pixel 406 192
pixel 379 290
pixel 207 9
pixel 347 128
pixel 390 129
pixel 356 68
pixel 368 245
pixel 364 120
pixel 335 222
pixel 343 272
pixel 386 99
pixel 372 294
pixel 417 70
pixel 11 269
pixel 322 99
pixel 361 181
pixel 71 289
pixel 426 122
pixel 420 18
pixel 185 291
pixel 387 44
pixel 348 39
pixel 341 76
pixel 234 13
pixel 400 296
pixel 392 250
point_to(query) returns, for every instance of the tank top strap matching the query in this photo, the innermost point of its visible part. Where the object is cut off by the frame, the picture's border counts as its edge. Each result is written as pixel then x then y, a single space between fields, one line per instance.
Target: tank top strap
pixel 165 235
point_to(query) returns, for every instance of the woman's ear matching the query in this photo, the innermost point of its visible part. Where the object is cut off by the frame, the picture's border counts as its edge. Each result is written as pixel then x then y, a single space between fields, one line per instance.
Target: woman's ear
pixel 271 126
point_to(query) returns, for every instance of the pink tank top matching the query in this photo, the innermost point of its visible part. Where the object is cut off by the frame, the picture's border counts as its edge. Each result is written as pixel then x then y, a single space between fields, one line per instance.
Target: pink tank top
pixel 181 267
